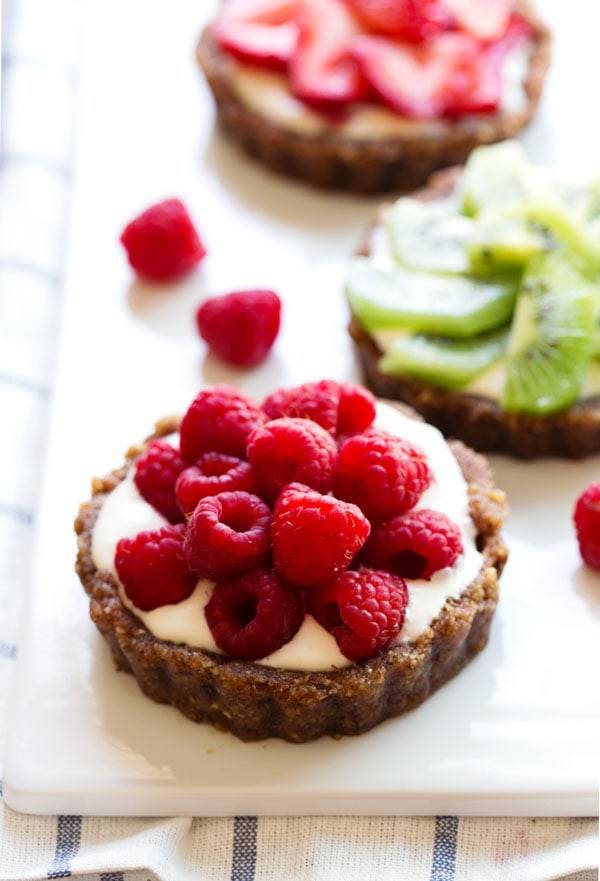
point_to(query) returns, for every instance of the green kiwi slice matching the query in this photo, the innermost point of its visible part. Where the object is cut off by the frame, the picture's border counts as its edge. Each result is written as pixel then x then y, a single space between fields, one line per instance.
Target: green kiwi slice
pixel 503 244
pixel 431 236
pixel 551 339
pixel 496 177
pixel 448 363
pixel 454 306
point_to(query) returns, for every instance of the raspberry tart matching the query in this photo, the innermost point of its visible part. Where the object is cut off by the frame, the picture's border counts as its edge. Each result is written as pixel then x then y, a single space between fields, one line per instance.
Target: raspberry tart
pixel 311 566
pixel 475 301
pixel 372 95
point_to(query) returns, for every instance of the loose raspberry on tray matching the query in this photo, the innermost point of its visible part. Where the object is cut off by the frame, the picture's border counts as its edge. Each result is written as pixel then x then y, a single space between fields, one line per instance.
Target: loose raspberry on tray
pixel 156 472
pixel 291 450
pixel 364 610
pixel 587 525
pixel 242 326
pixel 162 243
pixel 227 535
pixel 340 408
pixel 415 545
pixel 152 568
pixel 213 473
pixel 219 420
pixel 315 537
pixel 382 474
pixel 253 616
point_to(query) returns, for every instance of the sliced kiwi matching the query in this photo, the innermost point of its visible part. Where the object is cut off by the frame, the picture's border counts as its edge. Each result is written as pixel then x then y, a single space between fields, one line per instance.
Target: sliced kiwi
pixel 445 362
pixel 454 306
pixel 496 177
pixel 430 235
pixel 551 339
pixel 503 244
pixel 567 230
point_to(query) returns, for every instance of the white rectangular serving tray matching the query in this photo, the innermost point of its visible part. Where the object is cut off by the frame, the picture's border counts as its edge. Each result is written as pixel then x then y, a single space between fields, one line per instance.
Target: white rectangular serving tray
pixel 515 733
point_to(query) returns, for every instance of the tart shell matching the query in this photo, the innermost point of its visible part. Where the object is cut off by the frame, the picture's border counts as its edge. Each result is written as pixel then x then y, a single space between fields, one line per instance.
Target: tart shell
pixel 256 702
pixel 366 165
pixel 478 421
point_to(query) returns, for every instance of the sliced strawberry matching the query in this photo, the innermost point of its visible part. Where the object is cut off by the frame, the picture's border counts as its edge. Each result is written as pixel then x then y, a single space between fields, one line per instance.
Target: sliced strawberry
pixel 262 32
pixel 322 72
pixel 485 19
pixel 413 20
pixel 448 76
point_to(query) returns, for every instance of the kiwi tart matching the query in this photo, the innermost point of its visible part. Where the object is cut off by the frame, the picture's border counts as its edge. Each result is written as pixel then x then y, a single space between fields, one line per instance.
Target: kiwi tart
pixel 476 300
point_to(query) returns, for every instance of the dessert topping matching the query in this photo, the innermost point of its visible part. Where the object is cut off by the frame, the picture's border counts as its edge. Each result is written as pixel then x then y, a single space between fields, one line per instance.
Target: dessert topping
pixel 219 420
pixel 213 473
pixel 415 545
pixel 156 472
pixel 152 568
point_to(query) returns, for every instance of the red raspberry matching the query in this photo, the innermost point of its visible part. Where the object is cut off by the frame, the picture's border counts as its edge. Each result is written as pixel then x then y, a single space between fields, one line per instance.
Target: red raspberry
pixel 213 473
pixel 357 409
pixel 291 450
pixel 152 568
pixel 340 408
pixel 156 472
pixel 162 243
pixel 382 474
pixel 364 610
pixel 219 420
pixel 315 537
pixel 587 525
pixel 318 401
pixel 227 535
pixel 253 616
pixel 240 327
pixel 415 545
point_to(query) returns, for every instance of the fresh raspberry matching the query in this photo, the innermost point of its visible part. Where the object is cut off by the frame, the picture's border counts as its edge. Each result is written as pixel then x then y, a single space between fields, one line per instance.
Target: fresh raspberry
pixel 253 616
pixel 212 474
pixel 156 472
pixel 227 535
pixel 162 243
pixel 357 409
pixel 152 568
pixel 338 407
pixel 240 327
pixel 382 474
pixel 219 420
pixel 315 537
pixel 291 450
pixel 363 609
pixel 318 401
pixel 415 545
pixel 587 525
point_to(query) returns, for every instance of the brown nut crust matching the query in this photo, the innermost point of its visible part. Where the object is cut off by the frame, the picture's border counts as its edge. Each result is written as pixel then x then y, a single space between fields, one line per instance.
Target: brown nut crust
pixel 255 702
pixel 368 166
pixel 478 421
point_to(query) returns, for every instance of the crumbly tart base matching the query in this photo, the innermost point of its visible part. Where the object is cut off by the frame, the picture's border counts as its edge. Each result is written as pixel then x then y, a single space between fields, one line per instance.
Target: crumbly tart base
pixel 478 421
pixel 334 161
pixel 255 702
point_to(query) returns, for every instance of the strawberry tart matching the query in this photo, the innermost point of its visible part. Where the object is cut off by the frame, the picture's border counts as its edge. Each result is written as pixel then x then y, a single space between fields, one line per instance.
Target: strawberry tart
pixel 372 95
pixel 312 565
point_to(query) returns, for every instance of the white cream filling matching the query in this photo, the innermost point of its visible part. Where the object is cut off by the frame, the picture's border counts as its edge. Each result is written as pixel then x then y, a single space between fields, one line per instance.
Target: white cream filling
pixel 125 513
pixel 269 94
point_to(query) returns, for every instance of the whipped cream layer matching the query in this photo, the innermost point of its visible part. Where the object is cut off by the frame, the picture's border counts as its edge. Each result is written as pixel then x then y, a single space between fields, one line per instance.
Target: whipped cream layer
pixel 269 94
pixel 125 513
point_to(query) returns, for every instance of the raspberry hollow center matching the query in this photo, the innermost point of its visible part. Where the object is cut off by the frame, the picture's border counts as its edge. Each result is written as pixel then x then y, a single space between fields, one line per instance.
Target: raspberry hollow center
pixel 409 564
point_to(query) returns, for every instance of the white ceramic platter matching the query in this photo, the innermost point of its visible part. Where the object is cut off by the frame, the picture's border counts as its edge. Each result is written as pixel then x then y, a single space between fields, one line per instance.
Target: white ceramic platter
pixel 517 731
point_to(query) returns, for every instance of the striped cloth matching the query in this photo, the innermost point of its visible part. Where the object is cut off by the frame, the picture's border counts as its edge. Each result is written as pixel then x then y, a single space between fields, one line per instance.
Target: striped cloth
pixel 39 91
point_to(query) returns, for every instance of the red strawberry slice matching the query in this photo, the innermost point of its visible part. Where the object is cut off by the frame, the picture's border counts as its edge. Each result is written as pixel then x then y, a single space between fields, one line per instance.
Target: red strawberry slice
pixel 322 71
pixel 262 32
pixel 448 76
pixel 414 20
pixel 485 19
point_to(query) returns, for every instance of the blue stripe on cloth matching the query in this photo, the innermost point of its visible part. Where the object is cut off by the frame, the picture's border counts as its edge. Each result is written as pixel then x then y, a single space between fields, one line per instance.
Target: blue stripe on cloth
pixel 8 650
pixel 243 863
pixel 443 862
pixel 68 839
pixel 16 513
pixel 26 384
pixel 112 876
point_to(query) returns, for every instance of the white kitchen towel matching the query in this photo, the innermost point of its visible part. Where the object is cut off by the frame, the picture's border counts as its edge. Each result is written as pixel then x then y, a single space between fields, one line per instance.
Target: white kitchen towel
pixel 40 92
